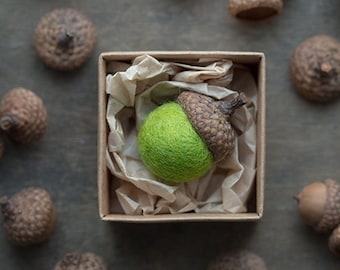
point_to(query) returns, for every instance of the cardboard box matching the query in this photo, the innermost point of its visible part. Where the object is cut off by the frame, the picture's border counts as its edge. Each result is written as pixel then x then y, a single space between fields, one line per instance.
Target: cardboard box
pixel 108 211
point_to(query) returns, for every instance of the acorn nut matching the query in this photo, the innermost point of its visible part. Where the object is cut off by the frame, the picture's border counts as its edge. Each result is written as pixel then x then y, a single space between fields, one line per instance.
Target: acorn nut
pixel 179 141
pixel 254 9
pixel 319 205
pixel 64 39
pixel 315 68
pixel 334 241
pixel 29 216
pixel 237 260
pixel 23 115
pixel 81 261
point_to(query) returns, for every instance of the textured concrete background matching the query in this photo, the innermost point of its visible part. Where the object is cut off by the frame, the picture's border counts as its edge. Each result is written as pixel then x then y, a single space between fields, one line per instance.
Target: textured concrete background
pixel 302 138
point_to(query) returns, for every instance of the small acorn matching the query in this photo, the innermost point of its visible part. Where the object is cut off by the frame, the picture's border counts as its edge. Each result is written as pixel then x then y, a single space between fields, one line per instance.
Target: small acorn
pixel 179 141
pixel 64 39
pixel 237 260
pixel 23 115
pixel 81 261
pixel 315 68
pixel 319 205
pixel 334 241
pixel 29 216
pixel 254 9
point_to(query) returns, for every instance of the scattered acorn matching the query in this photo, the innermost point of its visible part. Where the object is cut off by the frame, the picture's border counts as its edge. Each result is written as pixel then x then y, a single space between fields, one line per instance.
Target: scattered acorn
pixel 23 115
pixel 319 205
pixel 237 260
pixel 179 141
pixel 315 68
pixel 334 241
pixel 254 9
pixel 64 38
pixel 81 261
pixel 29 216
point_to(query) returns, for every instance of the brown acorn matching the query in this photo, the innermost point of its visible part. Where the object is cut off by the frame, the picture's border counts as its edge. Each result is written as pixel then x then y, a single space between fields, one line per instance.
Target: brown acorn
pixel 81 261
pixel 254 9
pixel 23 115
pixel 64 38
pixel 319 205
pixel 315 68
pixel 334 241
pixel 211 120
pixel 237 260
pixel 29 216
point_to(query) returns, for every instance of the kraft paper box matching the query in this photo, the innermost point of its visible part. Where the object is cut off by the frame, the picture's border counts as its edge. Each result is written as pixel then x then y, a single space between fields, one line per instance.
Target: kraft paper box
pixel 131 84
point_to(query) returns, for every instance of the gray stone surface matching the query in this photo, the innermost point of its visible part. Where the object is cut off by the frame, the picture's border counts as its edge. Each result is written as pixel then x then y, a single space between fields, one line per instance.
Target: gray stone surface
pixel 302 138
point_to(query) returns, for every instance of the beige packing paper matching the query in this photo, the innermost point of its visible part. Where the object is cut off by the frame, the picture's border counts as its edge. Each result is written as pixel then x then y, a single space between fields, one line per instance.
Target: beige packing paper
pixel 139 88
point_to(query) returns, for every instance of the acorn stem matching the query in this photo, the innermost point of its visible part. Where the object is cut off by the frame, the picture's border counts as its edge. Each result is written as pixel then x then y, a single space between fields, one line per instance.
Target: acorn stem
pixel 64 38
pixel 229 107
pixel 7 122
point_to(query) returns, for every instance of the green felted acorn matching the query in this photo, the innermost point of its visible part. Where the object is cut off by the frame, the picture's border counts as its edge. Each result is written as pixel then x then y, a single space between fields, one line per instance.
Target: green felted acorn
pixel 180 141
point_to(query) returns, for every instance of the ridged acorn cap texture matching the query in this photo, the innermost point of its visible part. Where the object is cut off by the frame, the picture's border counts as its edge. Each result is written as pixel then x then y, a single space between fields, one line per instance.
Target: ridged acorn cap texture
pixel 319 204
pixel 29 216
pixel 81 261
pixel 210 118
pixel 334 241
pixel 254 9
pixel 23 115
pixel 64 38
pixel 315 68
pixel 237 260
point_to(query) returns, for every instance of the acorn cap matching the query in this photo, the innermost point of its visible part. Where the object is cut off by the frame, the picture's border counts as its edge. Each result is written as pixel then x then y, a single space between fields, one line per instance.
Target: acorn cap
pixel 210 119
pixel 315 68
pixel 319 205
pixel 23 115
pixel 81 261
pixel 254 9
pixel 64 38
pixel 237 260
pixel 29 216
pixel 334 241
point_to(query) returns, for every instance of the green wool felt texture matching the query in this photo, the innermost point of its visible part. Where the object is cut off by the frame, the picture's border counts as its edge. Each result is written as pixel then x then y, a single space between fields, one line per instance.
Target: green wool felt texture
pixel 170 147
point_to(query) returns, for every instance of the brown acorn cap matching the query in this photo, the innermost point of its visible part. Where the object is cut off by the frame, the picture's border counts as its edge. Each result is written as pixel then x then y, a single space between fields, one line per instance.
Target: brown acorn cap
pixel 23 115
pixel 237 260
pixel 210 119
pixel 29 216
pixel 334 241
pixel 315 68
pixel 80 261
pixel 254 9
pixel 64 38
pixel 319 205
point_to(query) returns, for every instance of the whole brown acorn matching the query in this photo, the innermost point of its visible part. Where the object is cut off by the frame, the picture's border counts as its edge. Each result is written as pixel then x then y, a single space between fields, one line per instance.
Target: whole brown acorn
pixel 334 241
pixel 237 260
pixel 29 216
pixel 23 115
pixel 319 205
pixel 81 261
pixel 64 38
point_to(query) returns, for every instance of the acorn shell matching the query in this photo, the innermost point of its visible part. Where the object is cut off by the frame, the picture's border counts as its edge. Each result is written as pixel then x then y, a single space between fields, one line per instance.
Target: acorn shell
pixel 319 205
pixel 315 68
pixel 23 115
pixel 254 9
pixel 81 261
pixel 237 260
pixel 210 118
pixel 64 39
pixel 334 241
pixel 29 216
